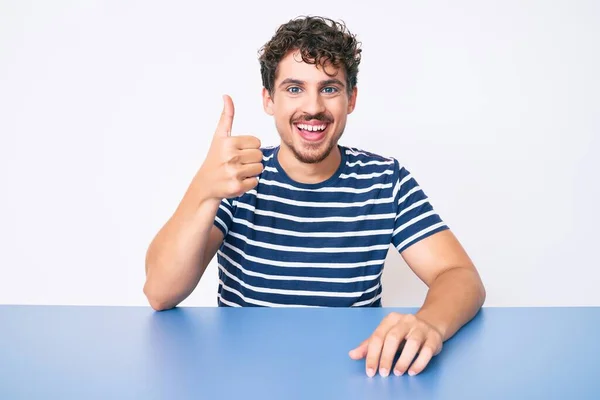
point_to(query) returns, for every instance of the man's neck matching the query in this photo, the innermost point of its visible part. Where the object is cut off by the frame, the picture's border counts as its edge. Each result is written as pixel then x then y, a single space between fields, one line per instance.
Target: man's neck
pixel 309 173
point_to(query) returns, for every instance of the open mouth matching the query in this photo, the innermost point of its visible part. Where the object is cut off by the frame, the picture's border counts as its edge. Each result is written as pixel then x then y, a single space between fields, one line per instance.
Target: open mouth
pixel 312 131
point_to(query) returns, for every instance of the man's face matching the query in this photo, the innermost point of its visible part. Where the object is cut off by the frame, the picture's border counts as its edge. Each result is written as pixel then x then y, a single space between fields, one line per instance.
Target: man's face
pixel 309 106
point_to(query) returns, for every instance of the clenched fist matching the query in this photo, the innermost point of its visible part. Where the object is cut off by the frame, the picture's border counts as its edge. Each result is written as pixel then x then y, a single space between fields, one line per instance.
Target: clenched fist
pixel 233 163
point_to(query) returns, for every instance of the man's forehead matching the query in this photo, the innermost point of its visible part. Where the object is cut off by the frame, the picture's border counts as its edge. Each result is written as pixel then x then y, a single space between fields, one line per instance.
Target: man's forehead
pixel 292 66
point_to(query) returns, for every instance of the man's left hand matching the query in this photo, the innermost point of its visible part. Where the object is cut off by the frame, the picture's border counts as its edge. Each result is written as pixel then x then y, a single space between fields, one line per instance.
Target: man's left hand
pixel 381 347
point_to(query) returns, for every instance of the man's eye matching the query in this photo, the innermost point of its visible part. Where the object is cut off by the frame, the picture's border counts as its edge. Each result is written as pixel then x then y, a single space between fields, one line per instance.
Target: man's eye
pixel 330 90
pixel 294 89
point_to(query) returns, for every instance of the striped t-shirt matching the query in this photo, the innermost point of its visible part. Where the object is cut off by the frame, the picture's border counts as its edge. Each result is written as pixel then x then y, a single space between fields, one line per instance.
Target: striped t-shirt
pixel 293 244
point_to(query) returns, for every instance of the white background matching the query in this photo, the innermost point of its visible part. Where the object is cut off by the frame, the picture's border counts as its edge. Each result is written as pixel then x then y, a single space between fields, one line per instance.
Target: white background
pixel 107 110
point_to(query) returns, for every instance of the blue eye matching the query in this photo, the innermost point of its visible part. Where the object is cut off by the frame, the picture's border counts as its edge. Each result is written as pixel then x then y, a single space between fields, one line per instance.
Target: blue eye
pixel 293 89
pixel 331 90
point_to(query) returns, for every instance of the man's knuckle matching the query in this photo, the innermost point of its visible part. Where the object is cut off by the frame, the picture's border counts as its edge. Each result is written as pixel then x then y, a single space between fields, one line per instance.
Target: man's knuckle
pixel 234 159
pixel 394 335
pixel 235 186
pixel 429 347
pixel 377 339
pixel 393 316
pixel 231 171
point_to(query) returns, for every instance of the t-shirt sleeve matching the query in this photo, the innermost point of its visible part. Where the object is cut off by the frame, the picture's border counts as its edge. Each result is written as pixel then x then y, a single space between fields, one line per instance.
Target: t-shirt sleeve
pixel 416 218
pixel 224 216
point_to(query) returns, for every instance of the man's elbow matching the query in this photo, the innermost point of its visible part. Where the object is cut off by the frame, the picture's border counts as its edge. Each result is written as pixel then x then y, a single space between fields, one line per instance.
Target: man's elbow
pixel 481 291
pixel 159 305
pixel 157 302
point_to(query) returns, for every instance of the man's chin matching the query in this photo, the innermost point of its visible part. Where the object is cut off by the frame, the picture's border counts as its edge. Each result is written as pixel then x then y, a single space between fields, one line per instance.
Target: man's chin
pixel 310 153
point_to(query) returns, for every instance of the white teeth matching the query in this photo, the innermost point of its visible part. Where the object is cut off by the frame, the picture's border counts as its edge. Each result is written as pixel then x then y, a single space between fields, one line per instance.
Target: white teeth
pixel 311 127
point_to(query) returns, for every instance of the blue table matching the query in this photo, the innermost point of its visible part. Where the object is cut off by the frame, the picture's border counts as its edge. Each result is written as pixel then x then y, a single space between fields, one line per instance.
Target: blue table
pixel 259 353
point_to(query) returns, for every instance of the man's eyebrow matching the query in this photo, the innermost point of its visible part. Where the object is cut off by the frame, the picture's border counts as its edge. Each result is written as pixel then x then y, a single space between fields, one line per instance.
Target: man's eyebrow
pixel 288 81
pixel 332 81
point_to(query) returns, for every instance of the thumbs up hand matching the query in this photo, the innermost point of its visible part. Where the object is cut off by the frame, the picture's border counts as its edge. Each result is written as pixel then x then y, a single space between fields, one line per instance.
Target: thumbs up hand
pixel 233 163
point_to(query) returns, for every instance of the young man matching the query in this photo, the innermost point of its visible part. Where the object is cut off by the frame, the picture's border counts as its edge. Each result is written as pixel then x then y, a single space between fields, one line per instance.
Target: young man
pixel 309 222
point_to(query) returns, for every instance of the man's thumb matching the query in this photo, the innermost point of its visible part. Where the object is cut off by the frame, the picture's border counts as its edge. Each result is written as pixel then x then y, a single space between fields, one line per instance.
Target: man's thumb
pixel 226 120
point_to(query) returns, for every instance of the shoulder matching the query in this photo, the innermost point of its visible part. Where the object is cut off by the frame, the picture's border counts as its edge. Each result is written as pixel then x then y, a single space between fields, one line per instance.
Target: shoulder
pixel 358 158
pixel 360 154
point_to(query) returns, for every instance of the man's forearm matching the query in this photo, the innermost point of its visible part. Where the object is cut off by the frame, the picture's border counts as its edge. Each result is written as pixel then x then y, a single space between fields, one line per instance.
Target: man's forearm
pixel 175 258
pixel 453 299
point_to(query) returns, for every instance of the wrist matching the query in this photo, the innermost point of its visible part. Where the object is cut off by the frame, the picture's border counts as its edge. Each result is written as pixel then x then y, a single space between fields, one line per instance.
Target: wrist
pixel 199 198
pixel 203 187
pixel 435 322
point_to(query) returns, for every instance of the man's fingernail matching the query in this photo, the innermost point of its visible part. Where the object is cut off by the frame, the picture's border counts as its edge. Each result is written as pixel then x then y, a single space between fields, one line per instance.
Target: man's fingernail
pixel 370 372
pixel 383 372
pixel 397 373
pixel 411 373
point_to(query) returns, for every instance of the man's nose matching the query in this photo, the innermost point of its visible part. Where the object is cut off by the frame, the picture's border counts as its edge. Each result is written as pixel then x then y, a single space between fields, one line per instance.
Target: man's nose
pixel 314 104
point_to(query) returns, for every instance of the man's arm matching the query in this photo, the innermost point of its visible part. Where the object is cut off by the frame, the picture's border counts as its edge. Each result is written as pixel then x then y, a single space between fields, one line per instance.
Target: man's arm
pixel 455 295
pixel 181 251
pixel 456 292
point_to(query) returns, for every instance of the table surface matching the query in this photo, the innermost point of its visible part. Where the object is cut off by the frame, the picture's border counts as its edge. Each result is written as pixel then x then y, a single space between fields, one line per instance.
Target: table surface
pixel 77 352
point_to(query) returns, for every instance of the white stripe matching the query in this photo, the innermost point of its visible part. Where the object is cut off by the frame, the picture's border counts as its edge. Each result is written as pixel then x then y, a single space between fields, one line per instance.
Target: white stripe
pixel 366 176
pixel 310 234
pixel 309 249
pixel 296 292
pixel 411 191
pixel 364 164
pixel 361 278
pixel 368 301
pixel 354 151
pixel 259 302
pixel 399 184
pixel 265 158
pixel 227 202
pixel 396 189
pixel 270 169
pixel 222 207
pixel 419 234
pixel 328 189
pixel 316 219
pixel 409 223
pixel 414 205
pixel 405 179
pixel 229 303
pixel 319 204
pixel 221 223
pixel 286 264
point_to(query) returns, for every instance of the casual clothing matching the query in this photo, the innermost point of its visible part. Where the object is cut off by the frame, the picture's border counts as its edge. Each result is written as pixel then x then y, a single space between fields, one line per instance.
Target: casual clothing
pixel 293 244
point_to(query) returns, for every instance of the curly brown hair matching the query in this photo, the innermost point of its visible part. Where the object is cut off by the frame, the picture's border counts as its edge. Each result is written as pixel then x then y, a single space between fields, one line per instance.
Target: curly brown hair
pixel 320 40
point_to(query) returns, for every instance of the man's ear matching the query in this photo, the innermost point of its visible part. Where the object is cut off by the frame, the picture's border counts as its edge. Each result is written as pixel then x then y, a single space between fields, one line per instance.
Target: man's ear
pixel 267 102
pixel 352 100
